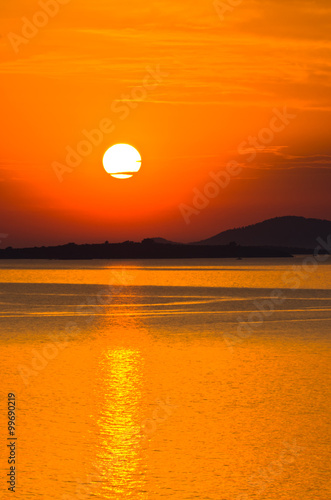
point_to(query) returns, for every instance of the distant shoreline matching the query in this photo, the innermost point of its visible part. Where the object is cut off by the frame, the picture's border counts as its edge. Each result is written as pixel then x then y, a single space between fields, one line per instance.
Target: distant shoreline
pixel 146 250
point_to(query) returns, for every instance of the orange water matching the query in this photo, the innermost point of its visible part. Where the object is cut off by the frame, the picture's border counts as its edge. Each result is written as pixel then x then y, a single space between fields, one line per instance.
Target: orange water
pixel 131 380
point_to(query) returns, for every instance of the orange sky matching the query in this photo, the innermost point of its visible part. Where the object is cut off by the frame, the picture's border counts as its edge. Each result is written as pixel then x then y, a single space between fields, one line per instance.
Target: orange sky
pixel 214 84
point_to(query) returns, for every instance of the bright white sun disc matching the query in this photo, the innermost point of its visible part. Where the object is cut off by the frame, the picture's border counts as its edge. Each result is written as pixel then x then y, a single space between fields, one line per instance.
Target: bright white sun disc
pixel 121 161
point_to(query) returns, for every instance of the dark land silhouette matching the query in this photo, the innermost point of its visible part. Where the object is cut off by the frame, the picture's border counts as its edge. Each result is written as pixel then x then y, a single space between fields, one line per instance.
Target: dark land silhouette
pixel 292 232
pixel 279 237
pixel 145 250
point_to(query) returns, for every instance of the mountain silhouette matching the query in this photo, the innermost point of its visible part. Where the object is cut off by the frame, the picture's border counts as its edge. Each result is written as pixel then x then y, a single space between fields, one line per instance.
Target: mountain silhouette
pixel 278 237
pixel 281 232
pixel 160 241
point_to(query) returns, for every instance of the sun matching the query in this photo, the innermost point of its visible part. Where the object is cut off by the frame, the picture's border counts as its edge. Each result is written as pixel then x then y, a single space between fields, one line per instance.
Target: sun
pixel 121 161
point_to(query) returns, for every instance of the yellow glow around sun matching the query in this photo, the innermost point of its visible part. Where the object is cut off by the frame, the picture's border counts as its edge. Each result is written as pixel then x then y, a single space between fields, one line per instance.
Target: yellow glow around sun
pixel 121 161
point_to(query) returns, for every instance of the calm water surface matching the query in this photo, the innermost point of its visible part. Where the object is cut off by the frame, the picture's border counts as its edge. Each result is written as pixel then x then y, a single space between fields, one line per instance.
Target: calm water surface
pixel 167 379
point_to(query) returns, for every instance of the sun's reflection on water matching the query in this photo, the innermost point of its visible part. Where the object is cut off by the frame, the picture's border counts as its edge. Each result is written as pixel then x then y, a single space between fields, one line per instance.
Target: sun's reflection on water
pixel 120 421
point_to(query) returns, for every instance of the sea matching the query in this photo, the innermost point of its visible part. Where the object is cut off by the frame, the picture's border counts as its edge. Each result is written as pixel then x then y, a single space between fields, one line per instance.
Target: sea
pixel 165 379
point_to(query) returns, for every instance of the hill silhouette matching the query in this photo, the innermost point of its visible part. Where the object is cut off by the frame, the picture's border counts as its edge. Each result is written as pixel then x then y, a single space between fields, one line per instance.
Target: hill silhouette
pixel 289 232
pixel 148 249
pixel 278 237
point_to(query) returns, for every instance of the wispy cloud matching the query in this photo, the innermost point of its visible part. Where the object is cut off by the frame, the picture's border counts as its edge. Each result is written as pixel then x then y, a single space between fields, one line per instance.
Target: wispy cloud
pixel 277 158
pixel 263 52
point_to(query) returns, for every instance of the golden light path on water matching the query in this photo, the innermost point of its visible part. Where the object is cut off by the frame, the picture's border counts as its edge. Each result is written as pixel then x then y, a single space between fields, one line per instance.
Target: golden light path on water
pixel 119 425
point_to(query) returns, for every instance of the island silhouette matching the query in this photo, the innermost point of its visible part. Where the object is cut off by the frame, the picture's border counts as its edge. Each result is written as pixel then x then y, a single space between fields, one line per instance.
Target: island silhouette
pixel 277 237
